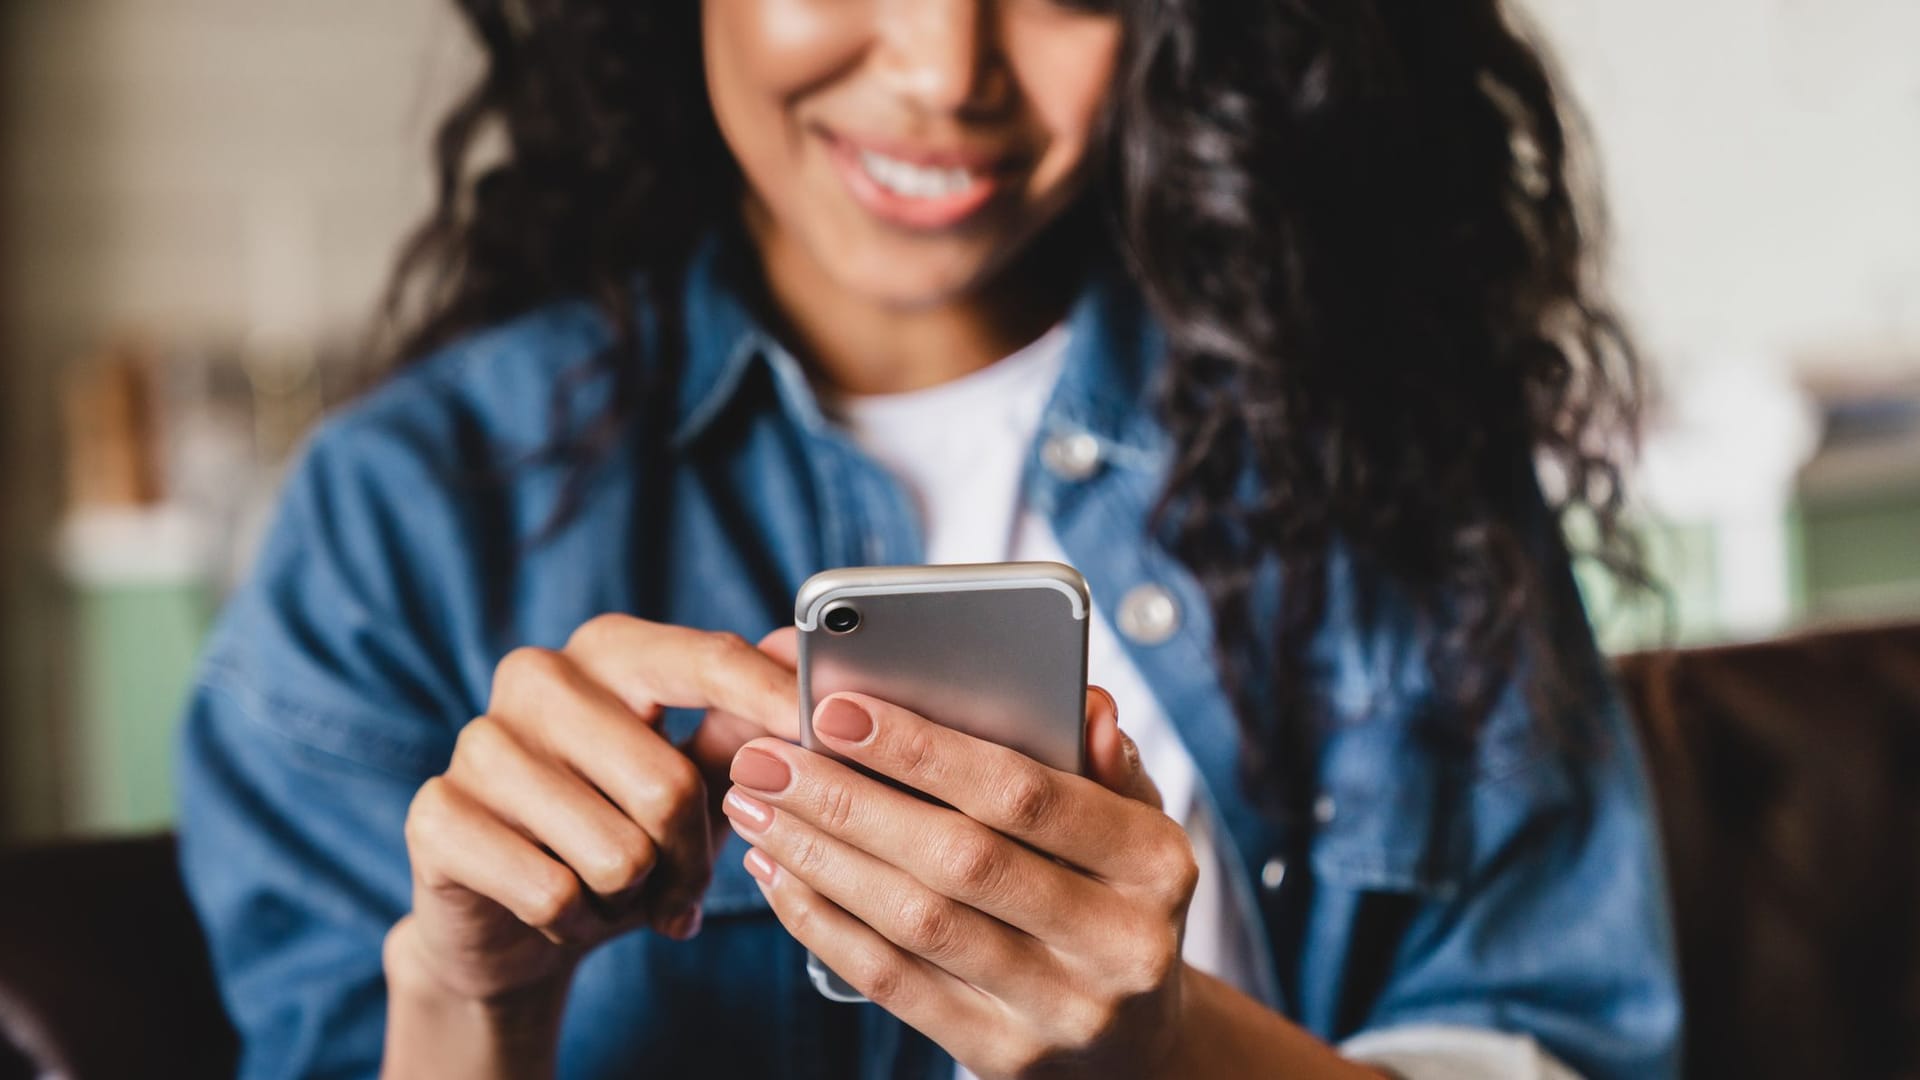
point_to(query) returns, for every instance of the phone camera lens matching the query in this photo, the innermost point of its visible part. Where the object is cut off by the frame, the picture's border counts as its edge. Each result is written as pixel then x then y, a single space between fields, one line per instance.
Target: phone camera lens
pixel 842 619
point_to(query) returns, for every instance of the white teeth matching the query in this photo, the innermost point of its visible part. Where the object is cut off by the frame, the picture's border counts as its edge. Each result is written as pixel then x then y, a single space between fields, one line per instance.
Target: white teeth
pixel 914 181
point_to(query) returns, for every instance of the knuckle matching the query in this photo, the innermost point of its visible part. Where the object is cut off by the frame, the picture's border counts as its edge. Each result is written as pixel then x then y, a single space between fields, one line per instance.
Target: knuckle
pixel 928 926
pixel 971 863
pixel 1085 1022
pixel 915 751
pixel 1178 873
pixel 615 868
pixel 1026 800
pixel 481 742
pixel 680 781
pixel 426 814
pixel 835 806
pixel 799 915
pixel 881 976
pixel 723 645
pixel 525 668
pixel 808 854
pixel 551 898
pixel 597 632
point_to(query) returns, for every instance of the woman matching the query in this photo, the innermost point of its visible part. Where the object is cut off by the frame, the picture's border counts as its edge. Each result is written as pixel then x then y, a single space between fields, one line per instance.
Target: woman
pixel 1258 314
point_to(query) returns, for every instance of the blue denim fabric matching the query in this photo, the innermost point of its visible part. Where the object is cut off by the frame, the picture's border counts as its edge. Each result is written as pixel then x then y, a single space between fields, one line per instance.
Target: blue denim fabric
pixel 1520 890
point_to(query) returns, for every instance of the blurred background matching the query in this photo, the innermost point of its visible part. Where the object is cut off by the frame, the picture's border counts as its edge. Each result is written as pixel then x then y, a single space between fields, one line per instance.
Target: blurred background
pixel 199 200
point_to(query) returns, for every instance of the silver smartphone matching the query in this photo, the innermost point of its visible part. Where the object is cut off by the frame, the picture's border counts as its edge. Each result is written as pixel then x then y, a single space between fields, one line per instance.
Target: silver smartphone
pixel 997 650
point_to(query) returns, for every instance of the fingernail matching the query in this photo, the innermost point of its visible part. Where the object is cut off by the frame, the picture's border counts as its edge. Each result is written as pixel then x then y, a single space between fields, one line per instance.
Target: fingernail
pixel 760 771
pixel 760 866
pixel 843 720
pixel 1113 707
pixel 747 810
pixel 685 925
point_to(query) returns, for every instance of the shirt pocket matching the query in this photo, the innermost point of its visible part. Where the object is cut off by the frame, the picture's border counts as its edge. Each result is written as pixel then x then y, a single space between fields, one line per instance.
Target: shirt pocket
pixel 1396 813
pixel 1389 812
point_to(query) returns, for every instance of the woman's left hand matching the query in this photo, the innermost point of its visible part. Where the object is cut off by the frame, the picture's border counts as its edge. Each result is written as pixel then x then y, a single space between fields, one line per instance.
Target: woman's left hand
pixel 1035 925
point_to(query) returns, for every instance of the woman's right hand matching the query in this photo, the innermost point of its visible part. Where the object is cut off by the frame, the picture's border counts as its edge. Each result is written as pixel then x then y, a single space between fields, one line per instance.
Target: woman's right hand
pixel 567 817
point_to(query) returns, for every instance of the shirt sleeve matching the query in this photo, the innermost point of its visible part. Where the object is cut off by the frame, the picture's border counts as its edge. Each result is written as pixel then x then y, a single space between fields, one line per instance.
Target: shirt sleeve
pixel 320 707
pixel 1440 1052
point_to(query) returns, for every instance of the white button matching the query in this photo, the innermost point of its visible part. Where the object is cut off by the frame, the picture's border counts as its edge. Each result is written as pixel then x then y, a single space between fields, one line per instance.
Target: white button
pixel 1275 872
pixel 1148 614
pixel 1323 809
pixel 1073 456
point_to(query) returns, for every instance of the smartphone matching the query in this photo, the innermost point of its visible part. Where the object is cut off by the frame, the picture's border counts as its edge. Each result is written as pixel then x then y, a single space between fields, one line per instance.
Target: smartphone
pixel 997 650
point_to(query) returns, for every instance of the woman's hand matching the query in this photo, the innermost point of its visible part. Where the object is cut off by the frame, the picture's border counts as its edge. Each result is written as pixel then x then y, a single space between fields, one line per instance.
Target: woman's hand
pixel 1035 924
pixel 567 817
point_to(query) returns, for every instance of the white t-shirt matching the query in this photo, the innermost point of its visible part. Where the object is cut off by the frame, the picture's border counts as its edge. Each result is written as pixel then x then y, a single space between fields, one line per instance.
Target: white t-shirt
pixel 959 449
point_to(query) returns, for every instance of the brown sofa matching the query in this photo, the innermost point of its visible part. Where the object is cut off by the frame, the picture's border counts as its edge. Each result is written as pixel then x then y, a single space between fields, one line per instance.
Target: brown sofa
pixel 1788 775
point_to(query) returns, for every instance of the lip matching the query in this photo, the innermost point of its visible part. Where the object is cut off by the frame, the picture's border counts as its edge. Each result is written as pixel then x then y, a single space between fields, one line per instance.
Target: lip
pixel 937 213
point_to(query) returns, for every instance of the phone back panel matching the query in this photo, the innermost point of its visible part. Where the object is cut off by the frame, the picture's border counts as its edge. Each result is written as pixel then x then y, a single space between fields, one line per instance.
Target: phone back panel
pixel 996 650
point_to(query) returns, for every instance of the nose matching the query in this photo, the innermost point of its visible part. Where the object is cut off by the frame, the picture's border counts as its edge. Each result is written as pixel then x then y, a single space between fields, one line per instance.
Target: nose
pixel 941 55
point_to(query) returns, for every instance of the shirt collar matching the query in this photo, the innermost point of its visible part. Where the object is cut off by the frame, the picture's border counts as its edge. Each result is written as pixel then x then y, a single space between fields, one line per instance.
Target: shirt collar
pixel 1106 382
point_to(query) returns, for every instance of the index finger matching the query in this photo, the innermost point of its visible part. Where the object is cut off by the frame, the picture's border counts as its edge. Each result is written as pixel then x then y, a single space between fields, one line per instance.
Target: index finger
pixel 1069 817
pixel 654 665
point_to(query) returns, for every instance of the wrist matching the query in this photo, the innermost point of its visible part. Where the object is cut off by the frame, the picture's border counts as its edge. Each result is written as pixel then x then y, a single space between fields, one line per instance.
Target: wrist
pixel 510 1032
pixel 1219 1031
pixel 411 971
pixel 1169 1056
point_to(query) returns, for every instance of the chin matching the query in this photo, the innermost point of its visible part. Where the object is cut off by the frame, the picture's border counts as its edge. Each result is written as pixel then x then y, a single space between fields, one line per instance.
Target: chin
pixel 910 279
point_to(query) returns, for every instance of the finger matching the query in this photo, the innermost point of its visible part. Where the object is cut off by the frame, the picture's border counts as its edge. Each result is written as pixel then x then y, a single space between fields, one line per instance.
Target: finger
pixel 555 703
pixel 1112 757
pixel 951 935
pixel 1069 817
pixel 944 850
pixel 920 994
pixel 610 853
pixel 455 843
pixel 720 734
pixel 783 645
pixel 652 665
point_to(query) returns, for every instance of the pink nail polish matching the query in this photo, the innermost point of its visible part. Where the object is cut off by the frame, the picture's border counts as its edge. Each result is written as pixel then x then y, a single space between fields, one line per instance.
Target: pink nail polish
pixel 747 810
pixel 760 771
pixel 761 867
pixel 841 719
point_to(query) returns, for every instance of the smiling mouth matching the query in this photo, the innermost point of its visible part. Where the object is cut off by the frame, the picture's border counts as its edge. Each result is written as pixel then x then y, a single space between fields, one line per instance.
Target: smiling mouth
pixel 909 188
pixel 916 181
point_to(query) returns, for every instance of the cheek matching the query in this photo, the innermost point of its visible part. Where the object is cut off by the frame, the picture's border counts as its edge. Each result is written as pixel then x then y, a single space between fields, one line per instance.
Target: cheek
pixel 1067 75
pixel 762 55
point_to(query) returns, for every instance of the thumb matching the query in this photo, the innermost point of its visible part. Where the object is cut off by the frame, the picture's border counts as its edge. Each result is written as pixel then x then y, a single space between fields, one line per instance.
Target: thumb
pixel 721 734
pixel 1112 758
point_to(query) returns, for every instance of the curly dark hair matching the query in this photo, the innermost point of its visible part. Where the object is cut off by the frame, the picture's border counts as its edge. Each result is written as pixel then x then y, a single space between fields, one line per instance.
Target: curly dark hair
pixel 1356 220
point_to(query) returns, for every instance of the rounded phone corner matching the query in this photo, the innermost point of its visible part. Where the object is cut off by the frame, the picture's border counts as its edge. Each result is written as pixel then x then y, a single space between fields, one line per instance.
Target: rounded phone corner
pixel 829 985
pixel 1079 596
pixel 812 592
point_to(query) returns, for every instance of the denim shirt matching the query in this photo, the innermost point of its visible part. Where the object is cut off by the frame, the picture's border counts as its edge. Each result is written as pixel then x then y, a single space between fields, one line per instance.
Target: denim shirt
pixel 1518 889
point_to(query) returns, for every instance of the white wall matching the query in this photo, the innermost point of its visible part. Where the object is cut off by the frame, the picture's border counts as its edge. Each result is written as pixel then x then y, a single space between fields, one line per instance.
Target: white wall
pixel 1763 161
